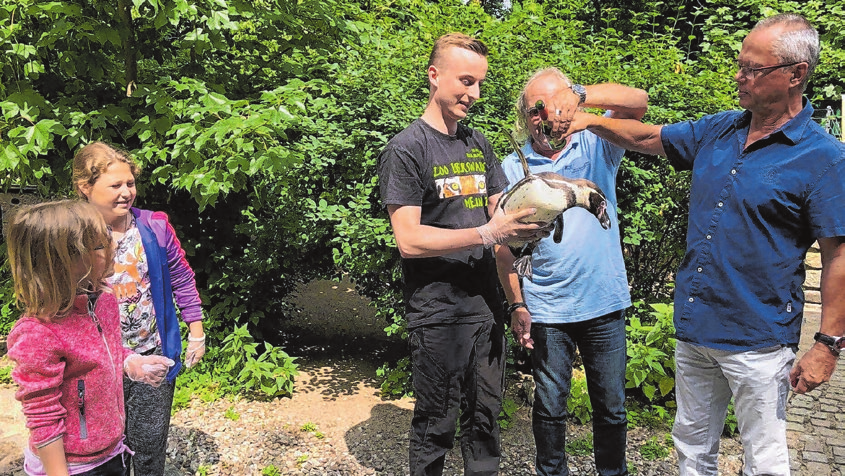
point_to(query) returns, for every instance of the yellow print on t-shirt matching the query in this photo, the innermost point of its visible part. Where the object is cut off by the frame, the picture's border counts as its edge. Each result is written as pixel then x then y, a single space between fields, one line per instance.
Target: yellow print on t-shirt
pixel 460 168
pixel 461 185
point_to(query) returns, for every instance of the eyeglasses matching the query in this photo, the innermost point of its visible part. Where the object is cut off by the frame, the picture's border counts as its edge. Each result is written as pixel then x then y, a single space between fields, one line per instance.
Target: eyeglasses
pixel 749 72
pixel 532 112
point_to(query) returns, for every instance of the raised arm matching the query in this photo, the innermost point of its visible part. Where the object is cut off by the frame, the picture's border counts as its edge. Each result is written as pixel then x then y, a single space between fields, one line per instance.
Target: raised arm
pixel 624 102
pixel 629 134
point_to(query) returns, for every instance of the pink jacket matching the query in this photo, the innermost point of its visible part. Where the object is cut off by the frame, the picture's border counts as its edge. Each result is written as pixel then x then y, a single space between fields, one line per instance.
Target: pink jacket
pixel 70 379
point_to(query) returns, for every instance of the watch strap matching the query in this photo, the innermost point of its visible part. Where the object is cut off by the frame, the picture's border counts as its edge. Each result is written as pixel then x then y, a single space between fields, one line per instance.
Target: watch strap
pixel 581 91
pixel 835 344
pixel 515 306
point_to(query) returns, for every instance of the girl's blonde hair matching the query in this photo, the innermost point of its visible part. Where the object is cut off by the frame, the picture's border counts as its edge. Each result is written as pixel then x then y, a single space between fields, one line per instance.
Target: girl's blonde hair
pixel 49 246
pixel 94 159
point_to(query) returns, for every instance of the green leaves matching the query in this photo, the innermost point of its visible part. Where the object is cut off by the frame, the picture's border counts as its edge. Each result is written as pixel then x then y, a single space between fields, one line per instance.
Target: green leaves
pixel 651 350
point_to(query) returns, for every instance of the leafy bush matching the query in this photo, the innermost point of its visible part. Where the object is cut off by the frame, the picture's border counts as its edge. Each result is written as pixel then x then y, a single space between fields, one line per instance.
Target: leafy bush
pixel 651 354
pixel 579 405
pixel 259 124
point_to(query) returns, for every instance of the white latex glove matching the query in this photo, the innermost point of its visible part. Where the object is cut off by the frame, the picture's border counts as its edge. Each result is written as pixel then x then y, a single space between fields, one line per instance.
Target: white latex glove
pixel 148 369
pixel 195 351
pixel 504 227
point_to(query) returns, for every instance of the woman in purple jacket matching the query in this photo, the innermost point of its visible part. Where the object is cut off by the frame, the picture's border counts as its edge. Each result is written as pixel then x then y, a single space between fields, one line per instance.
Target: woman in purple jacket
pixel 149 270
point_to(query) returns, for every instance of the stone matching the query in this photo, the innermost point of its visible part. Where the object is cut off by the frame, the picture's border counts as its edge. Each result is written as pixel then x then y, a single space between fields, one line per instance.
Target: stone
pixel 812 296
pixel 813 260
pixel 813 279
pixel 811 456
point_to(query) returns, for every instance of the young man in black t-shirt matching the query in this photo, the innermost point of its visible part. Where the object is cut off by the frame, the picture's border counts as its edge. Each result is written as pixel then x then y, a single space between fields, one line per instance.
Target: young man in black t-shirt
pixel 441 182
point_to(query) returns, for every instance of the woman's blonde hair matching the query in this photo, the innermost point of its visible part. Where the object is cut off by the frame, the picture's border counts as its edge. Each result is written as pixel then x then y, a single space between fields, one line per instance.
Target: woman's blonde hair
pixel 49 246
pixel 94 159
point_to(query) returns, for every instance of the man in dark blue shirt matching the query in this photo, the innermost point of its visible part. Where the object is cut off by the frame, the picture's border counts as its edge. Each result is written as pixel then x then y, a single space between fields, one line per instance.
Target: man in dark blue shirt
pixel 766 183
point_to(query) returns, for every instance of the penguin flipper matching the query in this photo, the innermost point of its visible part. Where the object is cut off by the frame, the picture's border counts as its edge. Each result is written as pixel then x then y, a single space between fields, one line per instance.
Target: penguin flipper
pixel 558 236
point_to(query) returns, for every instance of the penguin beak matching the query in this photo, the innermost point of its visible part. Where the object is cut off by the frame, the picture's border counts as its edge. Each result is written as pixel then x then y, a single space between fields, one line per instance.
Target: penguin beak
pixel 602 215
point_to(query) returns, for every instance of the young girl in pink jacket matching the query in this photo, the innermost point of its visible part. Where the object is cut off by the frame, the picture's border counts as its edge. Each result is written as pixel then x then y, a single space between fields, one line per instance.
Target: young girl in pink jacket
pixel 67 345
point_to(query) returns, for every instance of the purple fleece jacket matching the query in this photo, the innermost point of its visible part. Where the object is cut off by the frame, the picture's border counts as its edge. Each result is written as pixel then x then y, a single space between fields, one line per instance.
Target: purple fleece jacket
pixel 170 276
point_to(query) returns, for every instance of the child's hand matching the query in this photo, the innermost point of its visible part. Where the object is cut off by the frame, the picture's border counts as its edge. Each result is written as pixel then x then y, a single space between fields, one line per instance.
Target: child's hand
pixel 149 369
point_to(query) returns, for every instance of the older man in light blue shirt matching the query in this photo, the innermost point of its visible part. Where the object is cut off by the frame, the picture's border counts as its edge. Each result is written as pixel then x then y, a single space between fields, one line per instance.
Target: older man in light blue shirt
pixel 578 291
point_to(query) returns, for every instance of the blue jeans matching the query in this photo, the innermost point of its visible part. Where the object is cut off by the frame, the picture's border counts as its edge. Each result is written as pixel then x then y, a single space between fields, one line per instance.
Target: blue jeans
pixel 601 344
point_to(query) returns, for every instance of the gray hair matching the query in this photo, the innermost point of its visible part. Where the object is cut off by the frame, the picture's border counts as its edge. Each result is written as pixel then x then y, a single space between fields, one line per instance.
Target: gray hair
pixel 799 43
pixel 521 130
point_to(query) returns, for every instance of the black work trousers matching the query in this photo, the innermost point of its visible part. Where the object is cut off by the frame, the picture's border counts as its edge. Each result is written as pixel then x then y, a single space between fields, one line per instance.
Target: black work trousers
pixel 459 374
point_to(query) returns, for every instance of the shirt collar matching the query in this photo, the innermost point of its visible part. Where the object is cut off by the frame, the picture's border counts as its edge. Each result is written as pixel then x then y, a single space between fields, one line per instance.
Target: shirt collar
pixel 793 130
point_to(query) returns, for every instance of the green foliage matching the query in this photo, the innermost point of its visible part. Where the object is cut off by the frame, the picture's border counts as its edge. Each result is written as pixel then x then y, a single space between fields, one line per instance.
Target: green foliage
pixel 396 380
pixel 232 414
pixel 270 471
pixel 651 353
pixel 655 449
pixel 509 407
pixel 581 446
pixel 731 425
pixel 579 400
pixel 237 368
pixel 9 312
pixel 272 373
pixel 5 374
pixel 650 415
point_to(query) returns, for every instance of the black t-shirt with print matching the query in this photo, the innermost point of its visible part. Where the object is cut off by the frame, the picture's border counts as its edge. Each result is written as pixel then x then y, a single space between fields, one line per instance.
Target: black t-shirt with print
pixel 450 178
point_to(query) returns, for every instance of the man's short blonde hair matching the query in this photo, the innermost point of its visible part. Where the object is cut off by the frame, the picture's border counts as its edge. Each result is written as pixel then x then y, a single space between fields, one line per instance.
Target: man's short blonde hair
pixel 456 39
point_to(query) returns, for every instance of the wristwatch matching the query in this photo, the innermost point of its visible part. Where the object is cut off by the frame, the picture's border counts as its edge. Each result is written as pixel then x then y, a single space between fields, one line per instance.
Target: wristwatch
pixel 581 91
pixel 836 343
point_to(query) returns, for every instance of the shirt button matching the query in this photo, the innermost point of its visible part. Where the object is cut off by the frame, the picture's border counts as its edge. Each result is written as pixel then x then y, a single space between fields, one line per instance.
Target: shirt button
pixel 700 269
pixel 733 171
pixel 709 236
pixel 720 204
pixel 691 299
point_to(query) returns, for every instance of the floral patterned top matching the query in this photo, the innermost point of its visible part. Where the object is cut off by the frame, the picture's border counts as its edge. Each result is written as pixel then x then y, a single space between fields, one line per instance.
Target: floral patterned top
pixel 131 284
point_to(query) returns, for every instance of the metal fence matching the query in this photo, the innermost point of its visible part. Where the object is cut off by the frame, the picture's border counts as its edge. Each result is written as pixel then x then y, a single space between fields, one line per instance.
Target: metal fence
pixel 832 120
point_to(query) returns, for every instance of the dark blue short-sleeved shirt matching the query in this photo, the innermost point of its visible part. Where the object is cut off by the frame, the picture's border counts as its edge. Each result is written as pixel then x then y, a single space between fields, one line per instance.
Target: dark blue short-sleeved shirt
pixel 753 214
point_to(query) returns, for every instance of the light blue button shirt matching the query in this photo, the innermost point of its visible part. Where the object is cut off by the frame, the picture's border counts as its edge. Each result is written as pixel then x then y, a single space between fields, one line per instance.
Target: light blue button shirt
pixel 583 276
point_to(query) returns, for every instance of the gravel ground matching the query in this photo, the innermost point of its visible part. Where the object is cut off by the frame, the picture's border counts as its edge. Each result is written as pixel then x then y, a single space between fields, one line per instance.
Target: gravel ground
pixel 336 424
